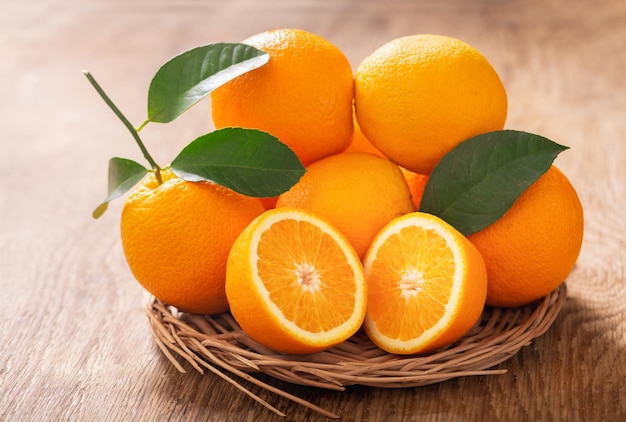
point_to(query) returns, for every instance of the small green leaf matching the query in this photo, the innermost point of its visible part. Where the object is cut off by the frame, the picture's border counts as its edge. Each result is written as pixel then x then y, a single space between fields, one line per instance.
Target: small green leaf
pixel 248 161
pixel 192 75
pixel 479 180
pixel 123 175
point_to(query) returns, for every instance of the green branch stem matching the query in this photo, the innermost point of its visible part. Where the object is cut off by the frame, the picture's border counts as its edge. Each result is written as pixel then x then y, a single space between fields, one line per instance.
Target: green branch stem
pixel 126 122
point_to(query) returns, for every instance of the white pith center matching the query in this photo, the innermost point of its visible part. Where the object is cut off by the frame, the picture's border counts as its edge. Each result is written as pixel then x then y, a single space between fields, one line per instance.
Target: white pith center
pixel 411 282
pixel 308 277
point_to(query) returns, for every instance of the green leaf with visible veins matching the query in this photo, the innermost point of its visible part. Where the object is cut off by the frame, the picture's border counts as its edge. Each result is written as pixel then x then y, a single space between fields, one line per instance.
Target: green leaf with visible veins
pixel 248 161
pixel 479 180
pixel 192 75
pixel 123 175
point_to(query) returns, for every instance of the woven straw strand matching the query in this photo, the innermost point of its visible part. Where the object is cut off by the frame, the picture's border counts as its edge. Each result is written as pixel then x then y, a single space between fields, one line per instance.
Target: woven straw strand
pixel 217 341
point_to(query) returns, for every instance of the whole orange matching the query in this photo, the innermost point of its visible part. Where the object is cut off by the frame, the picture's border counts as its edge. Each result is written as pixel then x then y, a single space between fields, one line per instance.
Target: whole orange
pixel 357 192
pixel 303 95
pixel 418 96
pixel 176 237
pixel 416 182
pixel 533 247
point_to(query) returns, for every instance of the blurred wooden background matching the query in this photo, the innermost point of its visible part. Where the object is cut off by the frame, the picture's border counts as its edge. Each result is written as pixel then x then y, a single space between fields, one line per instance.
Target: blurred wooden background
pixel 76 343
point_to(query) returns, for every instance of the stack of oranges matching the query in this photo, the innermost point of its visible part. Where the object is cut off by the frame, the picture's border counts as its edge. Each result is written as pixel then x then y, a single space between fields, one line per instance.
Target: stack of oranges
pixel 346 246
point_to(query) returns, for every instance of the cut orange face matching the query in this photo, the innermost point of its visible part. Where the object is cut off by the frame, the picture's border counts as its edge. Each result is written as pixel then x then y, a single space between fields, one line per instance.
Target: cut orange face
pixel 294 283
pixel 426 284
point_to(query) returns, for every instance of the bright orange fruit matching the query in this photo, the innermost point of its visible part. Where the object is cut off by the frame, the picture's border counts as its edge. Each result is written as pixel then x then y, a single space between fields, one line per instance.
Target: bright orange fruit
pixel 418 96
pixel 303 95
pixel 533 247
pixel 294 283
pixel 176 237
pixel 426 285
pixel 357 192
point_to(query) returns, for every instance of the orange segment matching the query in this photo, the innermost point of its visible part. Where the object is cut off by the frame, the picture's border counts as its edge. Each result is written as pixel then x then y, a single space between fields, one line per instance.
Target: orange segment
pixel 427 285
pixel 294 283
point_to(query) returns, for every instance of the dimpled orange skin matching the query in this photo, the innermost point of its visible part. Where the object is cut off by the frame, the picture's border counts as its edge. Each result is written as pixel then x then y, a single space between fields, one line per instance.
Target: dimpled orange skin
pixel 357 192
pixel 176 238
pixel 303 95
pixel 533 247
pixel 419 96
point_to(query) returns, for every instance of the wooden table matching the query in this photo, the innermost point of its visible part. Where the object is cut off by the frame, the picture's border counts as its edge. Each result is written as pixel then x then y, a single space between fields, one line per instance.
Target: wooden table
pixel 76 344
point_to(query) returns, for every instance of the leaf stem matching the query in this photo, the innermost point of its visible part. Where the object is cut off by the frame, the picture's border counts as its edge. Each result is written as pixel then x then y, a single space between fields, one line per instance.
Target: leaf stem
pixel 129 126
pixel 141 126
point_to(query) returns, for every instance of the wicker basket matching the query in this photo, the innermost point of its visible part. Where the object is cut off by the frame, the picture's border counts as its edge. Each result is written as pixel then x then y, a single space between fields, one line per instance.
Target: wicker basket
pixel 216 343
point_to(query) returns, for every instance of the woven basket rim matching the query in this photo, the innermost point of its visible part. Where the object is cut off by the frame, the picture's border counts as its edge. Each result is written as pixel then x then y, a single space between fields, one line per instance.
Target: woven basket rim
pixel 209 342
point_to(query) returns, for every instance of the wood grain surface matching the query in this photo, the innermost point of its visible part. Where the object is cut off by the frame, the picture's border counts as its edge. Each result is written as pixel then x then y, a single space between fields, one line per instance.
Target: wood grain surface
pixel 76 344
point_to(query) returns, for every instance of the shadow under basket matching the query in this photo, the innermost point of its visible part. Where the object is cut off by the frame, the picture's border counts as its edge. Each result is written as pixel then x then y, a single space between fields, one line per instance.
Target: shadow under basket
pixel 216 343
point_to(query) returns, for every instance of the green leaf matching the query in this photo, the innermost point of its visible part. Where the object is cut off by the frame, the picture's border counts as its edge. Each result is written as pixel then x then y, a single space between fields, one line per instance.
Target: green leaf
pixel 248 161
pixel 479 180
pixel 192 75
pixel 123 175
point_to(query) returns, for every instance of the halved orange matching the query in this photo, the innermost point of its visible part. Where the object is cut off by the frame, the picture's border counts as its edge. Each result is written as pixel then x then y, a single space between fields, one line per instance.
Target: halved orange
pixel 294 283
pixel 426 284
